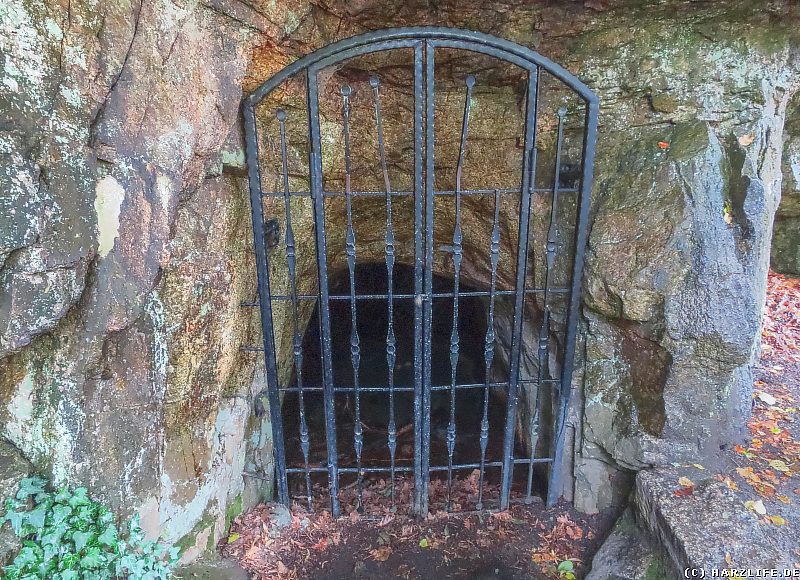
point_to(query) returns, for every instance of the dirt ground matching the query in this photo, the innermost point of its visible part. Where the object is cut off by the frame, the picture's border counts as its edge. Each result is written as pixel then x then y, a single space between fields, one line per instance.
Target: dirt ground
pixel 529 541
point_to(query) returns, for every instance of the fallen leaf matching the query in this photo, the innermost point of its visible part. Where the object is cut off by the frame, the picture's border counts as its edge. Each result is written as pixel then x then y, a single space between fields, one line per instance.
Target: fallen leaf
pixel 698 466
pixel 766 398
pixel 777 520
pixel 381 554
pixel 756 506
pixel 423 543
pixel 685 482
pixel 746 139
pixel 779 465
pixel 321 545
pixel 233 537
pixel 783 498
pixel 663 145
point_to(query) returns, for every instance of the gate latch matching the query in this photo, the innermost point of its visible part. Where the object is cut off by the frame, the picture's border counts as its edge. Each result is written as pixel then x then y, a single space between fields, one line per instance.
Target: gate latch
pixel 272 233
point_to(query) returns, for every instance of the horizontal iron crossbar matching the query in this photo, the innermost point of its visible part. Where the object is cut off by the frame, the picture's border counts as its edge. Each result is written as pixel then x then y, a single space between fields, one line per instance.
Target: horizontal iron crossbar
pixel 382 194
pixel 400 388
pixel 409 469
pixel 435 295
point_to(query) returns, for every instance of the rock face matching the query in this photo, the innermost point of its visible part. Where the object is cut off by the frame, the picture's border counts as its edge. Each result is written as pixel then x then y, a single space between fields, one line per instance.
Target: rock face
pixel 125 250
pixel 13 469
pixel 785 256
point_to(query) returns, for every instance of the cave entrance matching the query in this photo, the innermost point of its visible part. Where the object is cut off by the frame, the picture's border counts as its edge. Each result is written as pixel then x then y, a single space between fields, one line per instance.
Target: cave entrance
pixel 419 202
pixel 387 415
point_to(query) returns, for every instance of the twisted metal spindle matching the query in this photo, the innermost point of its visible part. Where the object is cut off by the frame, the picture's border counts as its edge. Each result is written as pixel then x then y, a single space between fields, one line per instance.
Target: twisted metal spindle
pixel 544 332
pixel 457 257
pixel 297 340
pixel 350 249
pixel 489 343
pixel 391 342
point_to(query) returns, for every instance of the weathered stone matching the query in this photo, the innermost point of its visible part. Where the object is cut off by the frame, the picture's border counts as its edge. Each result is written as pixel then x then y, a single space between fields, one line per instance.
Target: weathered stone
pixel 212 570
pixel 114 131
pixel 13 469
pixel 711 528
pixel 279 518
pixel 630 553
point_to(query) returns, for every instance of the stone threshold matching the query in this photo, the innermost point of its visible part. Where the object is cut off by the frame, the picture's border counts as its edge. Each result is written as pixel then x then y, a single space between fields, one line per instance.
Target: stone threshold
pixel 662 534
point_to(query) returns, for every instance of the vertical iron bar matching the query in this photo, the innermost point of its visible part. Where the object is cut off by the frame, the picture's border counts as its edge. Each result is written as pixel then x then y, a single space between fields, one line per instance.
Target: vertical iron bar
pixel 265 304
pixel 315 163
pixel 297 339
pixel 458 251
pixel 420 503
pixel 528 180
pixel 350 249
pixel 544 332
pixel 391 348
pixel 489 342
pixel 581 235
pixel 428 301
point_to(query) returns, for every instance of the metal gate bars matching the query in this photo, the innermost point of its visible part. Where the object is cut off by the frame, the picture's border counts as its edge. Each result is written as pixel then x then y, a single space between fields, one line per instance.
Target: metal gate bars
pixel 548 370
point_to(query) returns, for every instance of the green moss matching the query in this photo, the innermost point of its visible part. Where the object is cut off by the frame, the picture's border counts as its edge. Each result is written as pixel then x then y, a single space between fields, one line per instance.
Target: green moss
pixel 688 140
pixel 190 539
pixel 663 103
pixel 656 570
pixel 234 508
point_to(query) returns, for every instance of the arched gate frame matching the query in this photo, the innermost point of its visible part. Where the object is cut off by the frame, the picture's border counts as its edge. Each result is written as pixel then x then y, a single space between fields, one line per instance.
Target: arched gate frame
pixel 424 41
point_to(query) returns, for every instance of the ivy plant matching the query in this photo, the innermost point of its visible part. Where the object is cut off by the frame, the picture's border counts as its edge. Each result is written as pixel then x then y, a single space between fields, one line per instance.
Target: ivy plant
pixel 68 536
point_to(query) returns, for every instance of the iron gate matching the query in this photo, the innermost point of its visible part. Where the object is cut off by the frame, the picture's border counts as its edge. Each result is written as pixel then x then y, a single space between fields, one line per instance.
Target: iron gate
pixel 553 356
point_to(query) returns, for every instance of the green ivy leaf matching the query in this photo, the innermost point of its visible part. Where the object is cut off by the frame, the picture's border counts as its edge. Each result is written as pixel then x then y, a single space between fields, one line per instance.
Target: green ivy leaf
pixel 79 498
pixel 81 539
pixel 109 536
pixel 30 486
pixel 17 520
pixel 92 559
pixel 26 557
pixel 62 496
pixel 36 517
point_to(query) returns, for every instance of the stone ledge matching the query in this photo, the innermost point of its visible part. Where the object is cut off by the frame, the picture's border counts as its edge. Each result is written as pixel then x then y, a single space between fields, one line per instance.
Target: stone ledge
pixel 698 530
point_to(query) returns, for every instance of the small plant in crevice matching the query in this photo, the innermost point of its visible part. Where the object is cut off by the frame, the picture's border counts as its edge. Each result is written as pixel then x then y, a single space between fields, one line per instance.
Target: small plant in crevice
pixel 68 536
pixel 566 570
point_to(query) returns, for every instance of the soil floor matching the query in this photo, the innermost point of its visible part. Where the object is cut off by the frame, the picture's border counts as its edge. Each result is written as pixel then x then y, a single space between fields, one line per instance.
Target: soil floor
pixel 527 541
